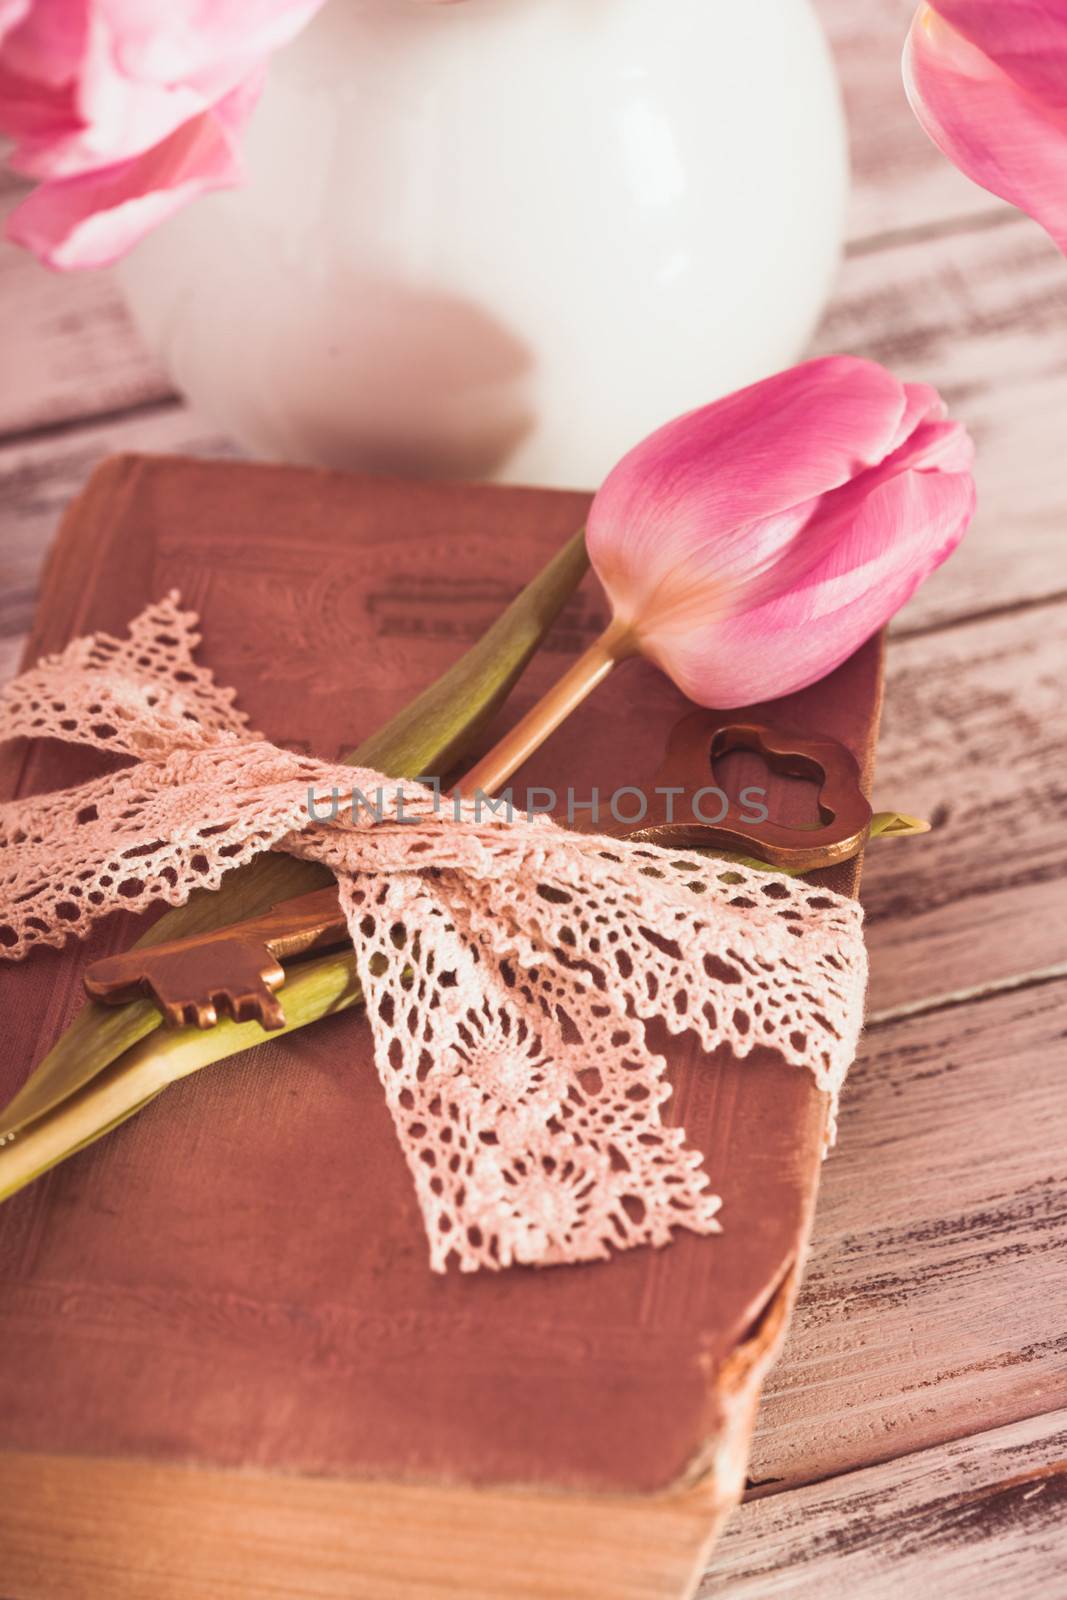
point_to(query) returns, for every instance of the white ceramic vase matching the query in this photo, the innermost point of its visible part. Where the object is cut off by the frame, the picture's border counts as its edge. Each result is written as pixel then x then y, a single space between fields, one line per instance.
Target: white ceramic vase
pixel 506 238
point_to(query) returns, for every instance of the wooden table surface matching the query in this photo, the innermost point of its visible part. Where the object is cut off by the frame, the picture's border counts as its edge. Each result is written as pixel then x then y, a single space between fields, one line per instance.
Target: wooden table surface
pixel 912 1436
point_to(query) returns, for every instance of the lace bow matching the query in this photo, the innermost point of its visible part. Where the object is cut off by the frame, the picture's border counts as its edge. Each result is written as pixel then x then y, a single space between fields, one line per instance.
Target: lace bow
pixel 508 967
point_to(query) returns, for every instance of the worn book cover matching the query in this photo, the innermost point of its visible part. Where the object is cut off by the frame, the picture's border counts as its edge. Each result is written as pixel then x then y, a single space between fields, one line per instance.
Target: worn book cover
pixel 238 1277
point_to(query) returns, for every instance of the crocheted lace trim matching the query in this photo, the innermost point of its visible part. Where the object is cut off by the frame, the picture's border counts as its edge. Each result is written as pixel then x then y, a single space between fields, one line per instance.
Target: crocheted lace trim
pixel 508 967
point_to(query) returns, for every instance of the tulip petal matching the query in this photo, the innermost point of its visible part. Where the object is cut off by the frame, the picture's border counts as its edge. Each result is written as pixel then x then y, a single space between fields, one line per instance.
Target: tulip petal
pixel 99 116
pixel 45 42
pixel 1027 40
pixel 132 99
pixel 921 400
pixel 92 219
pixel 899 534
pixel 990 124
pixel 748 466
pixel 35 114
pixel 146 71
pixel 750 547
pixel 11 14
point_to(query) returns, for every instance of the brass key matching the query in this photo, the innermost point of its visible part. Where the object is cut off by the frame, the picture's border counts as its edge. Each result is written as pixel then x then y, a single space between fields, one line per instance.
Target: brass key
pixel 700 739
pixel 232 971
pixel 237 970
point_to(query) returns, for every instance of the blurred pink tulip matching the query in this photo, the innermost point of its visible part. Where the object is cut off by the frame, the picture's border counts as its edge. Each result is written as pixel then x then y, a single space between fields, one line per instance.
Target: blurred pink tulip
pixel 124 111
pixel 987 80
pixel 749 547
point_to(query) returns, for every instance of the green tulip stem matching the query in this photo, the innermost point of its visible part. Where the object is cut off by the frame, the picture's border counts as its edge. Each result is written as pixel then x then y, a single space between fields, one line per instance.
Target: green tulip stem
pixel 531 731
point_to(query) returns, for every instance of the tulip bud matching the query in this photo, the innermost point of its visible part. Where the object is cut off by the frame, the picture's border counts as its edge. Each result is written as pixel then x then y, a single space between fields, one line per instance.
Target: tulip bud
pixel 750 547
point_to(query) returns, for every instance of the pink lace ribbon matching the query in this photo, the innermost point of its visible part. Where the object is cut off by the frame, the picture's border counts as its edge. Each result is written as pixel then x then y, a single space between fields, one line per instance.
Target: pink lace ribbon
pixel 508 967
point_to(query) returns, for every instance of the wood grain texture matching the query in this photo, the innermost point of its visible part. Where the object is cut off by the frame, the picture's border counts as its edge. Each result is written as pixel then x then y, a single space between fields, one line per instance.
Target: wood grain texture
pixel 69 349
pixel 245 1536
pixel 981 1518
pixel 899 180
pixel 973 738
pixel 934 1295
pixel 39 476
pixel 981 314
pixel 976 313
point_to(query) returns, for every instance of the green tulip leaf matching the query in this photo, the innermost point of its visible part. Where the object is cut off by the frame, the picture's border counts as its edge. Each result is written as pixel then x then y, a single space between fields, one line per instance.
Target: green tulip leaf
pixel 896 825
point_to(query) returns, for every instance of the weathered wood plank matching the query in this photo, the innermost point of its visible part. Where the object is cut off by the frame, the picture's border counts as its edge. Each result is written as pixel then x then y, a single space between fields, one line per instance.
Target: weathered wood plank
pixel 978 314
pixel 932 1304
pixel 973 733
pixel 981 1518
pixel 983 316
pixel 69 349
pixel 38 476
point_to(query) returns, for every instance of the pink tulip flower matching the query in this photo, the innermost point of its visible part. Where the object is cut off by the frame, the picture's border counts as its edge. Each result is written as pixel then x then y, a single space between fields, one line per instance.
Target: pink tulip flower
pixel 987 80
pixel 750 547
pixel 123 111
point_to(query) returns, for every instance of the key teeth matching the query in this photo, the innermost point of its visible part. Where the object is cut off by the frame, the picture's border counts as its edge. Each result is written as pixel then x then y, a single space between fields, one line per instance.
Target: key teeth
pixel 183 985
pixel 239 1007
pixel 264 1008
pixel 270 1013
pixel 255 1006
pixel 274 977
pixel 173 1012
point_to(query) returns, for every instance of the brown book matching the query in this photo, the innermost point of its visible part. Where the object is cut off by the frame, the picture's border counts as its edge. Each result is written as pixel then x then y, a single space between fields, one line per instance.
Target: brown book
pixel 236 1281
